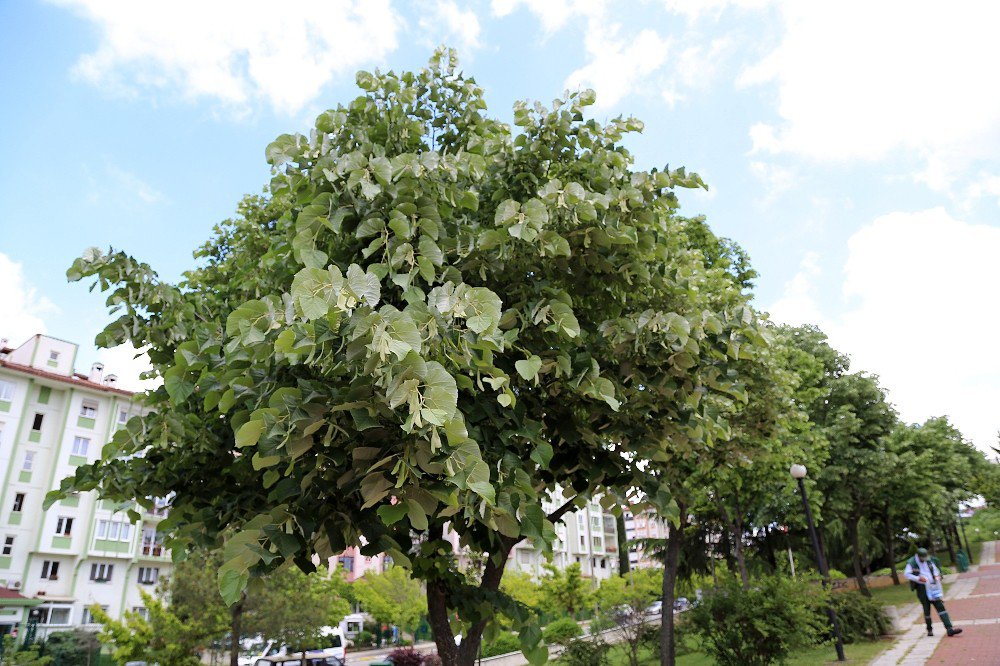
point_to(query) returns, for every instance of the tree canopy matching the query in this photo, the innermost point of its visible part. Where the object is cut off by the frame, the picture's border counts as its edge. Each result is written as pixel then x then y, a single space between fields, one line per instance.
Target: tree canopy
pixel 431 319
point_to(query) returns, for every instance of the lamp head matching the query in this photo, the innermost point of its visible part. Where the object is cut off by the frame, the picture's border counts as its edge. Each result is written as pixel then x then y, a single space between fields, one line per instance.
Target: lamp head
pixel 797 471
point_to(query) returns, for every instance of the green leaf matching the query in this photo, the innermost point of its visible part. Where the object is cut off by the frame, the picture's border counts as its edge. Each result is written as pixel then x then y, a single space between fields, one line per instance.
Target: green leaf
pixel 542 454
pixel 506 212
pixel 416 514
pixel 563 320
pixel 440 394
pixel 482 309
pixel 528 368
pixel 382 169
pixel 391 513
pixel 316 291
pixel 178 387
pixel 249 433
pixel 232 582
pixel 363 286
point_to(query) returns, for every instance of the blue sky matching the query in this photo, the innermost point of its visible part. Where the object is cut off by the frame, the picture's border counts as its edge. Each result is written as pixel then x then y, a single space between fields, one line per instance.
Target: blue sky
pixel 853 148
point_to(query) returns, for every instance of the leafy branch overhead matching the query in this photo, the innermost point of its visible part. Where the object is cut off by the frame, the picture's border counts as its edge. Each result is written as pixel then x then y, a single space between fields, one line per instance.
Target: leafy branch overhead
pixel 433 317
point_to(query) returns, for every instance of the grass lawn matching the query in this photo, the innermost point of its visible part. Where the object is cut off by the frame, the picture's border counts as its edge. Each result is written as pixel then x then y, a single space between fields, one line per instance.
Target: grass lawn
pixel 897 595
pixel 857 653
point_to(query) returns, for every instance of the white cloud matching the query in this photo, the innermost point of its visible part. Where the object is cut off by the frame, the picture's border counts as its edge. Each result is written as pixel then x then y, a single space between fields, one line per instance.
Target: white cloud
pixel 553 14
pixel 920 290
pixel 775 179
pixel 235 52
pixel 127 363
pixel 797 305
pixel 22 308
pixel 618 62
pixel 448 22
pixel 859 79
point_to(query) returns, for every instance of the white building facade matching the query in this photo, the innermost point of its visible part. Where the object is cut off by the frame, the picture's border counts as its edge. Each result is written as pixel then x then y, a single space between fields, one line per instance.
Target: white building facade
pixel 55 564
pixel 588 536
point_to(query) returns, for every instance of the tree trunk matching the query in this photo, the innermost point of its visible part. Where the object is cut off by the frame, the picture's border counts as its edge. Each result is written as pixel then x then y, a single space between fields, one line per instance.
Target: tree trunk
pixel 438 598
pixel 668 651
pixel 769 553
pixel 623 564
pixel 890 544
pixel 735 527
pixel 852 531
pixel 947 542
pixel 235 628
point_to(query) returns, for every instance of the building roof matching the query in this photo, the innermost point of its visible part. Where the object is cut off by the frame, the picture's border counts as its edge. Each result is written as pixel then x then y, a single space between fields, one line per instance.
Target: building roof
pixel 75 379
pixel 15 598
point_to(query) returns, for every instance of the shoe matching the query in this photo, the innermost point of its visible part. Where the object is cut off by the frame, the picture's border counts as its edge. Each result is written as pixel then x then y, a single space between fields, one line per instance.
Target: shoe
pixel 930 632
pixel 954 632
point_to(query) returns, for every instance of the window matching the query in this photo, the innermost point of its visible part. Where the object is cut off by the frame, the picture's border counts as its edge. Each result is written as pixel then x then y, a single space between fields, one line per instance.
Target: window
pixel 597 543
pixel 64 526
pixel 101 573
pixel 122 416
pixel 88 409
pixel 6 391
pixel 347 562
pixel 141 611
pixel 8 545
pixel 53 356
pixel 524 556
pixel 36 423
pixel 595 523
pixel 114 530
pixel 152 543
pixel 50 570
pixel 604 563
pixel 88 617
pixel 51 615
pixel 80 446
pixel 18 501
pixel 583 541
pixel 149 575
pixel 29 461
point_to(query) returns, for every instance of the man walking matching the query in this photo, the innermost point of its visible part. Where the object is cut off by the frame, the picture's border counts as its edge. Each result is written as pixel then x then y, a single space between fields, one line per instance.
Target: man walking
pixel 925 577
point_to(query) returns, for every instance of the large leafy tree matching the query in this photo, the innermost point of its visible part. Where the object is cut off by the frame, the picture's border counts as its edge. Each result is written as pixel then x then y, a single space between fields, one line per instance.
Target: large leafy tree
pixel 394 597
pixel 432 320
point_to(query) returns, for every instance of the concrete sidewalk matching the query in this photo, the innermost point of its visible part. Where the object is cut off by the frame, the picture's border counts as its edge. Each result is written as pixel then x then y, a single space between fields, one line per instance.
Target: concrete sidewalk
pixel 973 603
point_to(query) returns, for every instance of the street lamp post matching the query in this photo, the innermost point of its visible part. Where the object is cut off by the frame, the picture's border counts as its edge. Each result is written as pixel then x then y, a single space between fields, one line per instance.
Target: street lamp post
pixel 798 472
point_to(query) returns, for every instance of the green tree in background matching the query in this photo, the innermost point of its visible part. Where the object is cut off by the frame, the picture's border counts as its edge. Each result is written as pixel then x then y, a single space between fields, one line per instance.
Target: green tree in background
pixel 392 597
pixel 564 591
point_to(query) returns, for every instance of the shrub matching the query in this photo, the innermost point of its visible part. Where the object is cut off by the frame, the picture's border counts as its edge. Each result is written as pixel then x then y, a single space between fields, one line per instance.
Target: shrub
pixel 72 648
pixel 860 617
pixel 406 656
pixel 759 626
pixel 584 652
pixel 364 638
pixel 502 644
pixel 561 631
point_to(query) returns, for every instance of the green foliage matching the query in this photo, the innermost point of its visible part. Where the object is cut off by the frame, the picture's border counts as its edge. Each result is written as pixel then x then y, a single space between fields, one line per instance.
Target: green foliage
pixel 564 591
pixel 561 631
pixel 16 654
pixel 365 638
pixel 72 648
pixel 433 318
pixel 393 597
pixel 504 643
pixel 164 638
pixel 757 626
pixel 585 652
pixel 861 618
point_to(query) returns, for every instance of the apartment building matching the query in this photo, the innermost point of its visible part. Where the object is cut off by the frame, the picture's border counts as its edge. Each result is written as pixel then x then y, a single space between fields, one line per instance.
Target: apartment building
pixel 643 524
pixel 588 536
pixel 56 564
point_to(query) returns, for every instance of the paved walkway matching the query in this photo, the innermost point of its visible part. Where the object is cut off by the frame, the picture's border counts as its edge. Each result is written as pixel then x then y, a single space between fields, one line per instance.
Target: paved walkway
pixel 973 603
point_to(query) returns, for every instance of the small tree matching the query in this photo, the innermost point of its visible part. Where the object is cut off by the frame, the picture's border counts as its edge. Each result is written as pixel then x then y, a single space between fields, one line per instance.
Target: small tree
pixel 15 654
pixel 72 648
pixel 163 638
pixel 564 590
pixel 393 596
pixel 624 600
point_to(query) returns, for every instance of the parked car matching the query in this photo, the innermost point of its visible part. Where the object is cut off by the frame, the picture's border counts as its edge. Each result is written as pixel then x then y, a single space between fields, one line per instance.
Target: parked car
pixel 333 639
pixel 655 608
pixel 317 658
pixel 681 604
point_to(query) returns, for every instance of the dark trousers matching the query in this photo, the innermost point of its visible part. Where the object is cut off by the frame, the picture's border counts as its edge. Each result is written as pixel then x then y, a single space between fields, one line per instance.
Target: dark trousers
pixel 927 603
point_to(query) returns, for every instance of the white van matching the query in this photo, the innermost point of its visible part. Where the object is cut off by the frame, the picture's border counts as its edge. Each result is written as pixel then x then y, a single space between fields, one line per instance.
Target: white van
pixel 335 645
